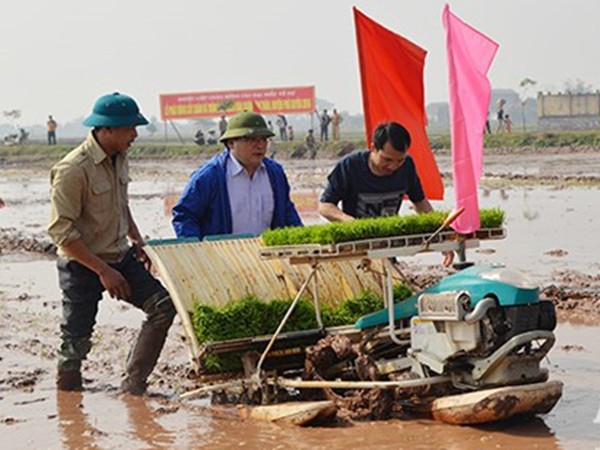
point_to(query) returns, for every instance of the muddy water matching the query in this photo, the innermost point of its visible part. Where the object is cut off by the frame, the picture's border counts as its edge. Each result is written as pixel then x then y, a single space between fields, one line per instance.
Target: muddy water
pixel 571 164
pixel 101 418
pixel 540 221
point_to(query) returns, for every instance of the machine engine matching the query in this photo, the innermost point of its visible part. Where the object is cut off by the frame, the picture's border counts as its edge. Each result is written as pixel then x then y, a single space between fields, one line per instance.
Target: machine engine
pixel 485 327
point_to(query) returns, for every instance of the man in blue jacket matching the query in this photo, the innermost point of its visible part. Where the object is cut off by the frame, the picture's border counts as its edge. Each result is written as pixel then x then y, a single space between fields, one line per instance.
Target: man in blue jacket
pixel 239 191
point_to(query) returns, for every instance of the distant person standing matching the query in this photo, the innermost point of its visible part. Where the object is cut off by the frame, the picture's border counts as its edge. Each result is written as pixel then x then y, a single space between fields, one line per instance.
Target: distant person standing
pixel 311 144
pixel 51 125
pixel 23 137
pixel 336 120
pixel 271 148
pixel 290 133
pixel 324 121
pixel 281 123
pixel 222 125
pixel 507 123
pixel 488 128
pixel 500 116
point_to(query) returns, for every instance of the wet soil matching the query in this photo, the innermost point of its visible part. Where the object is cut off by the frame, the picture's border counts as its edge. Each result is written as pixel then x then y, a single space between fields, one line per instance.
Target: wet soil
pixel 552 236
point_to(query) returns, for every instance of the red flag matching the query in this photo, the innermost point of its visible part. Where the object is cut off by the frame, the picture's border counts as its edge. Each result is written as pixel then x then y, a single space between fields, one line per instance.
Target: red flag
pixel 470 55
pixel 391 71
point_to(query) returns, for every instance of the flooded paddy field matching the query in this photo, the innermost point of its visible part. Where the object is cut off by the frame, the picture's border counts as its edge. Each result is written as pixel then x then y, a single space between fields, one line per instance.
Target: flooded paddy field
pixel 552 235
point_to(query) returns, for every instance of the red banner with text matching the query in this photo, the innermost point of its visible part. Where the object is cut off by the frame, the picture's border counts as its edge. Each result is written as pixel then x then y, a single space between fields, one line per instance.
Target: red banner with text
pixel 286 100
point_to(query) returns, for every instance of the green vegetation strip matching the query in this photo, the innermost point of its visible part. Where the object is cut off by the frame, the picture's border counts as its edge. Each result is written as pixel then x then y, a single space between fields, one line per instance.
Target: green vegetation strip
pixel 155 149
pixel 250 317
pixel 541 139
pixel 381 227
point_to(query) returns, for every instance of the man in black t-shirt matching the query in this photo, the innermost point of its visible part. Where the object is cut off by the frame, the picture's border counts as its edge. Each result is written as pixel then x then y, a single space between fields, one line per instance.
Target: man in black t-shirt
pixel 372 183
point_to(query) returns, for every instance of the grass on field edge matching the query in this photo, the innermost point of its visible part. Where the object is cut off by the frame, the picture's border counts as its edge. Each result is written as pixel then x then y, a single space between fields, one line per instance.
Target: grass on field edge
pixel 569 140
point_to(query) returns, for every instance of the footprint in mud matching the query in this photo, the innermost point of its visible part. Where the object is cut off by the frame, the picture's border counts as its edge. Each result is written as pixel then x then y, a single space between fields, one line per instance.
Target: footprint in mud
pixel 572 348
pixel 23 379
pixel 29 402
pixel 11 420
pixel 557 253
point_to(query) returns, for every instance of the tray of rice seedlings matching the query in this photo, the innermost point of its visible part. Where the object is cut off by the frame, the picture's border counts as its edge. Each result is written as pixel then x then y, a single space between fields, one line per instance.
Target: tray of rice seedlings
pixel 371 228
pixel 250 317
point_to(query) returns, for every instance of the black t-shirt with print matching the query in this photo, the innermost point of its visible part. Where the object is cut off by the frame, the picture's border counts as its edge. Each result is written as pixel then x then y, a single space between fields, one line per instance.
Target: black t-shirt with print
pixel 364 194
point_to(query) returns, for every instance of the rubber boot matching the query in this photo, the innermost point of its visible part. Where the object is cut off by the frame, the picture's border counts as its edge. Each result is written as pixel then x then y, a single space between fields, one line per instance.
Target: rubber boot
pixel 69 380
pixel 70 354
pixel 149 343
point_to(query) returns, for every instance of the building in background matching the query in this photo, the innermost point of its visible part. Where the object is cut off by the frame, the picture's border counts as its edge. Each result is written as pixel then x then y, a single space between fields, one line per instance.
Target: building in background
pixel 568 111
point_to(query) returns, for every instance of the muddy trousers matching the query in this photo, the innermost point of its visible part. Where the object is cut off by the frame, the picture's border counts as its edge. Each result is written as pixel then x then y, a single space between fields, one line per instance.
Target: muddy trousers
pixel 82 291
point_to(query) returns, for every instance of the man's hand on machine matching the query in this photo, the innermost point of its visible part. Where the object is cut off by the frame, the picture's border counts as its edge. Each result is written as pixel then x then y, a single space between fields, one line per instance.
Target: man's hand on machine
pixel 141 255
pixel 115 283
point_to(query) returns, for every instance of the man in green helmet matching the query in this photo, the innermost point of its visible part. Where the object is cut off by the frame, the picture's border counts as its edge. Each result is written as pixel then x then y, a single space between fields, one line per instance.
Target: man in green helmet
pixel 100 246
pixel 239 191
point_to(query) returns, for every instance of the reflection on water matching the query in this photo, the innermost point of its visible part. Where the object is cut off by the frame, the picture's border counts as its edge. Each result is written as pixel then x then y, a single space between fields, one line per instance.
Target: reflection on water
pixel 529 213
pixel 538 220
pixel 143 424
pixel 574 361
pixel 75 429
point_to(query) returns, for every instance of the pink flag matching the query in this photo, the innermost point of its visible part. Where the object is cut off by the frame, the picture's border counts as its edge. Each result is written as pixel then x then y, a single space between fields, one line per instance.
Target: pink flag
pixel 470 55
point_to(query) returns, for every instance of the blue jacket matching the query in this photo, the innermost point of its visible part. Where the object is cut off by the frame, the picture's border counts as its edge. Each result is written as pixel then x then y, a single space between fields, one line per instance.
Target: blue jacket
pixel 204 208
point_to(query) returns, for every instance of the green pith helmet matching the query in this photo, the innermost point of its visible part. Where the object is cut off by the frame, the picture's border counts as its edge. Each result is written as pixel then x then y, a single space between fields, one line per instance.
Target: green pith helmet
pixel 246 124
pixel 115 110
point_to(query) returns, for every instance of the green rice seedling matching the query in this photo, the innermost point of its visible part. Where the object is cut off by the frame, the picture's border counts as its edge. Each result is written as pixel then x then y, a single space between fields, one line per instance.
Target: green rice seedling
pixel 353 309
pixel 246 317
pixel 371 228
pixel 250 316
pixel 303 317
pixel 491 218
pixel 401 292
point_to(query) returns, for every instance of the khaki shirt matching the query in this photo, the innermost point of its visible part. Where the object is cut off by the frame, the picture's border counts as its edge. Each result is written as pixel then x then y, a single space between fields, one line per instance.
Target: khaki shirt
pixel 336 119
pixel 89 201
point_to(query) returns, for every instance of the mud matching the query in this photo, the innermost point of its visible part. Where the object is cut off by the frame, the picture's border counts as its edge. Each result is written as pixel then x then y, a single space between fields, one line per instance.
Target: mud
pixel 552 237
pixel 576 296
pixel 12 239
pixel 332 352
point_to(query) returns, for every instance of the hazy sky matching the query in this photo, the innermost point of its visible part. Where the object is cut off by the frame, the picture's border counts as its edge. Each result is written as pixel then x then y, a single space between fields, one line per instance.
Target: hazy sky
pixel 58 56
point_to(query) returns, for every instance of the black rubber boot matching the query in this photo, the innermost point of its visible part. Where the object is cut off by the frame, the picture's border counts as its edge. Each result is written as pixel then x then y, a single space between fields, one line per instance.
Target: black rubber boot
pixel 70 354
pixel 150 341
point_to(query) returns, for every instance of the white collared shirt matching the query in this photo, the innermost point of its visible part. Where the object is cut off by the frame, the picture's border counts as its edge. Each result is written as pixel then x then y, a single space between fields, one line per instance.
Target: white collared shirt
pixel 251 199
